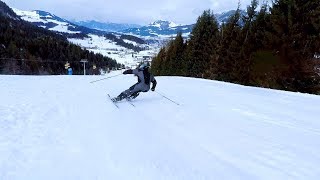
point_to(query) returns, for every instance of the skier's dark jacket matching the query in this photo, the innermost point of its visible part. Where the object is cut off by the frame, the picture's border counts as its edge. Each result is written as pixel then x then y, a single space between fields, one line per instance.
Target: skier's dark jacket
pixel 144 79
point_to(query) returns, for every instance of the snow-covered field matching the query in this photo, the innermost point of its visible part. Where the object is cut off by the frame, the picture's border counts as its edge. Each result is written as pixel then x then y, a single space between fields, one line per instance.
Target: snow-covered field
pixel 63 127
pixel 95 41
pixel 106 47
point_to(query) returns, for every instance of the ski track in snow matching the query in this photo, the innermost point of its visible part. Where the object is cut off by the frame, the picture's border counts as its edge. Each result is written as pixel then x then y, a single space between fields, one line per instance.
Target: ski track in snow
pixel 63 127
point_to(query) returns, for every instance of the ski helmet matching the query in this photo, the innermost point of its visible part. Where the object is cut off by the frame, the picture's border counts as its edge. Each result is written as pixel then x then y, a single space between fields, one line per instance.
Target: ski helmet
pixel 143 66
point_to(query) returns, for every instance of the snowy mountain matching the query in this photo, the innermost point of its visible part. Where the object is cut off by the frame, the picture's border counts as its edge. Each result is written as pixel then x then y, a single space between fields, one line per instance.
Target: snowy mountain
pixel 54 23
pixel 160 29
pixel 167 29
pixel 109 27
pixel 63 127
pixel 164 24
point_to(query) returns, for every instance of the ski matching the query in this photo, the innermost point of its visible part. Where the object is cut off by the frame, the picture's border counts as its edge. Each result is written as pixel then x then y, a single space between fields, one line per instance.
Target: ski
pixel 113 101
pixel 129 101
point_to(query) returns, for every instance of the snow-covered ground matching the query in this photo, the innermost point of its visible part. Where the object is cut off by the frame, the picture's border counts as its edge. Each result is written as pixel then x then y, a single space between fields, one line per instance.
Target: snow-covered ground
pixel 63 127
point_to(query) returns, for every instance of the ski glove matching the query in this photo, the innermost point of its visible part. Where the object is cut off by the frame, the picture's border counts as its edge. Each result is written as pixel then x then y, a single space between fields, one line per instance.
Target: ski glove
pixel 154 84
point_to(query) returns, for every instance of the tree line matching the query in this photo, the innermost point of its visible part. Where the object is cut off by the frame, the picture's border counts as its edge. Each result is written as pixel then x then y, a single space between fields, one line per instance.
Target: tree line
pixel 273 47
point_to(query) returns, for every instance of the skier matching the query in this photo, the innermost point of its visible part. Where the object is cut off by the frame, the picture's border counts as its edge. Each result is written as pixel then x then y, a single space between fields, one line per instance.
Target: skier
pixel 143 84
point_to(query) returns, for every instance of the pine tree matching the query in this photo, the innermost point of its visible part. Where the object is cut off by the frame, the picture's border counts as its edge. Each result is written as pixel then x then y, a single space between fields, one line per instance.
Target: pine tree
pixel 166 64
pixel 295 36
pixel 156 64
pixel 180 61
pixel 175 63
pixel 230 48
pixel 251 14
pixel 203 45
pixel 266 67
pixel 243 64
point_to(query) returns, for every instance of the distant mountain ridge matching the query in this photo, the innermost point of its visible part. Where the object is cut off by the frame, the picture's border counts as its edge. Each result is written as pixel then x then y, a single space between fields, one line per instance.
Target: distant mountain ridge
pixel 109 27
pixel 162 28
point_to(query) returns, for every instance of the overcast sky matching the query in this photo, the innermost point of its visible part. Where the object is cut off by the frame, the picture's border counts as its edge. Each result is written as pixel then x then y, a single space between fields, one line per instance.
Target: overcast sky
pixel 128 11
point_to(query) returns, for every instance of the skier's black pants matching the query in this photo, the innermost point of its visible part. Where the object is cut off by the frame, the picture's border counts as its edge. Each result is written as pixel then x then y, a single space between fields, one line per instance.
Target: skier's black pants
pixel 133 91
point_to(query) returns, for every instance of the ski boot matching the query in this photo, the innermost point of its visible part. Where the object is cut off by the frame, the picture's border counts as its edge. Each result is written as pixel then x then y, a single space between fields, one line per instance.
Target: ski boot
pixel 116 99
pixel 119 98
pixel 133 96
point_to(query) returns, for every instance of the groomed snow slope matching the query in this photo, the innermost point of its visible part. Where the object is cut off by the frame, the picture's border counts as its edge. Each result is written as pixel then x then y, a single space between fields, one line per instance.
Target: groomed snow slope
pixel 63 127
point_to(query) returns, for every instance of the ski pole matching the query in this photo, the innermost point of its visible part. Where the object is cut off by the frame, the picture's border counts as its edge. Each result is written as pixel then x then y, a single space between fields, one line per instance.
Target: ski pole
pixel 167 98
pixel 105 78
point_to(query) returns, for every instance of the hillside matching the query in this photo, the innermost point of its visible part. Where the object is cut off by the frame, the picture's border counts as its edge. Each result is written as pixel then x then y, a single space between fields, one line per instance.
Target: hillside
pixel 70 30
pixel 52 22
pixel 63 127
pixel 27 49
